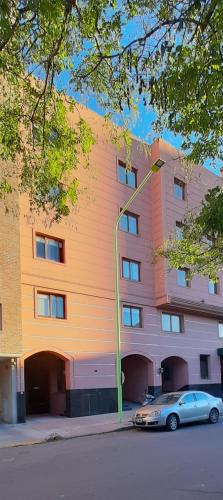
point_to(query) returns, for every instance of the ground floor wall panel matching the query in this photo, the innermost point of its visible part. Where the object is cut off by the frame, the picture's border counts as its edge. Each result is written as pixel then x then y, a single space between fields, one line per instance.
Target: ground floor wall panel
pixel 85 402
pixel 86 341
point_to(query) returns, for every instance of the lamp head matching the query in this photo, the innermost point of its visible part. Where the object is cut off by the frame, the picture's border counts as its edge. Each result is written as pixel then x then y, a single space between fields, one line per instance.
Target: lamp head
pixel 157 165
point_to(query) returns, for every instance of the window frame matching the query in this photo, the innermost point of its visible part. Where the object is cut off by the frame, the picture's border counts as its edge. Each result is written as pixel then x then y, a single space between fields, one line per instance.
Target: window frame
pixel 216 287
pixel 191 394
pixel 53 238
pixel 187 281
pixel 134 216
pixel 51 294
pixel 131 308
pixel 171 331
pixel 182 184
pixel 133 170
pixel 207 358
pixel 220 323
pixel 131 261
pixel 204 398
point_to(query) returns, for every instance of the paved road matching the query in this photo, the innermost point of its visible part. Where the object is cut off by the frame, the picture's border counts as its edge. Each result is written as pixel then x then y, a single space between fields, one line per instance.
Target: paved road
pixel 128 465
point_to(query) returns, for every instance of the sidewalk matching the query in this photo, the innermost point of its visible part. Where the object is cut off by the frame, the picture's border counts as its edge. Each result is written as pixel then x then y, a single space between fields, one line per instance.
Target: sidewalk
pixel 40 429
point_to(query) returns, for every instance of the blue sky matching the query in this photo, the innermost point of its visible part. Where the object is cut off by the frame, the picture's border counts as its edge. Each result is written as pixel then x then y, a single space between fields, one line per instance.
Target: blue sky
pixel 140 126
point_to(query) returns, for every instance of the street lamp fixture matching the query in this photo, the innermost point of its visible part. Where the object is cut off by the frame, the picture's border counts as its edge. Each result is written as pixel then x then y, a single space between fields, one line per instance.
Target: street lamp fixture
pixel 157 165
pixel 155 168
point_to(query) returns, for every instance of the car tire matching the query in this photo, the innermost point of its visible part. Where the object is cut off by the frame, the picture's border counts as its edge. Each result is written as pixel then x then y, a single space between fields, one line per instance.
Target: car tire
pixel 172 423
pixel 213 416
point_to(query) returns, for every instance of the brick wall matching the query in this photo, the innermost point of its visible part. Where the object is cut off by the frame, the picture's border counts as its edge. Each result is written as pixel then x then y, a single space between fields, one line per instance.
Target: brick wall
pixel 10 286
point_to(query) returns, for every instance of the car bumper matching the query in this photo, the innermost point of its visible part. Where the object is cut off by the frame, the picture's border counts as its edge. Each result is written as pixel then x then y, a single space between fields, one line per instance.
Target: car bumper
pixel 146 424
pixel 149 423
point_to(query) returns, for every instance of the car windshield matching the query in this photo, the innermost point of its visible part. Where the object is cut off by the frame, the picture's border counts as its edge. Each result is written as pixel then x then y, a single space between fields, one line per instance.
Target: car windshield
pixel 166 399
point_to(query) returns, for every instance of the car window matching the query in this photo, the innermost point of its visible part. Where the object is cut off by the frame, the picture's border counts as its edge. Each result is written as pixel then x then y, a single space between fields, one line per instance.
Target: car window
pixel 167 399
pixel 188 398
pixel 200 396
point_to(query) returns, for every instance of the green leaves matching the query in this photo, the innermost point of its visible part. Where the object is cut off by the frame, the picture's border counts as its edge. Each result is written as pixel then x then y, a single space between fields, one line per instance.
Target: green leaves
pixel 201 249
pixel 211 215
pixel 49 174
pixel 167 55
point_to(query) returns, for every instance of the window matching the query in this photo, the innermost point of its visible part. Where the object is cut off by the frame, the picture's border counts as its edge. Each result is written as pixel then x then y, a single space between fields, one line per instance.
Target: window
pixel 172 323
pixel 165 399
pixel 54 135
pixel 179 189
pixel 183 277
pixel 220 330
pixel 54 194
pixel 127 176
pixel 209 242
pixel 189 398
pixel 132 316
pixel 204 366
pixel 51 306
pixel 129 223
pixel 49 248
pixel 130 270
pixel 213 287
pixel 200 396
pixel 179 231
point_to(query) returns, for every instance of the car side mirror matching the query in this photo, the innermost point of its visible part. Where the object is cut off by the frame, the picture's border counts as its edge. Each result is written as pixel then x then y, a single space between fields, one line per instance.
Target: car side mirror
pixel 181 403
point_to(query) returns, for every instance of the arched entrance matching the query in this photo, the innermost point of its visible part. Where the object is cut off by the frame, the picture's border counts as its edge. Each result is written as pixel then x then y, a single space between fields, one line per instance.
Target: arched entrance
pixel 174 374
pixel 45 384
pixel 137 373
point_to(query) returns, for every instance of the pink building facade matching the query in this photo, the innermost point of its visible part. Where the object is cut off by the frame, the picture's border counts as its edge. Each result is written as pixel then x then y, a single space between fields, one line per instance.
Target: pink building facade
pixel 171 330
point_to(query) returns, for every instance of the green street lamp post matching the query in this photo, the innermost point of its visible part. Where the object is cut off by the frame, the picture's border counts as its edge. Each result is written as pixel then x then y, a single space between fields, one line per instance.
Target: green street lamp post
pixel 155 168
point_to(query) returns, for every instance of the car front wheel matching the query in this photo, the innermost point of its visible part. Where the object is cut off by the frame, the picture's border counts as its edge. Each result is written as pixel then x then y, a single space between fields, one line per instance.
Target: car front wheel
pixel 172 423
pixel 213 416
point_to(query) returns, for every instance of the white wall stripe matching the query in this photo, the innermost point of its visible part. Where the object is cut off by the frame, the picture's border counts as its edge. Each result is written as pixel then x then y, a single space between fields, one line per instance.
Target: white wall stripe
pixel 181 347
pixel 71 338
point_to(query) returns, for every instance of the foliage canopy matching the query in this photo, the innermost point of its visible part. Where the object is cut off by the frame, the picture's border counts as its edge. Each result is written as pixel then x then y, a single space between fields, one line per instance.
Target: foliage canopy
pixel 166 54
pixel 201 247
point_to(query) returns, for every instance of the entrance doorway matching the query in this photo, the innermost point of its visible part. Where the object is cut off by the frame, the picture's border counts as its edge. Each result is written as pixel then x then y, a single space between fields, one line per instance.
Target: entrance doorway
pixel 45 384
pixel 137 373
pixel 174 374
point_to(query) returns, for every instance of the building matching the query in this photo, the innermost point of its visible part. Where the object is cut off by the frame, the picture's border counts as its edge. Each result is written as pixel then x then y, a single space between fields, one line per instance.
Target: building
pixel 10 314
pixel 57 294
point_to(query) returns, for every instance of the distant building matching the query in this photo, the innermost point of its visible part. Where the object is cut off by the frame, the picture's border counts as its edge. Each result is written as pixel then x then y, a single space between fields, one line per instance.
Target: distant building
pixel 57 294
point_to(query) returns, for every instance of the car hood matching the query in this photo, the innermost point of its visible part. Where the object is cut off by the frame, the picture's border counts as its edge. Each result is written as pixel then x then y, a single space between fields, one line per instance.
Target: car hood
pixel 146 410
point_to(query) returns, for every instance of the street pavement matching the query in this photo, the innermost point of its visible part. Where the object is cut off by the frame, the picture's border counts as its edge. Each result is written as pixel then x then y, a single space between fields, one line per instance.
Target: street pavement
pixel 130 465
pixel 44 428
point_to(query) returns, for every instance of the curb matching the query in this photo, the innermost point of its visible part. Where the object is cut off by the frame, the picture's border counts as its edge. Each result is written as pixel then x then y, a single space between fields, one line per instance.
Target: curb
pixel 23 443
pixel 58 437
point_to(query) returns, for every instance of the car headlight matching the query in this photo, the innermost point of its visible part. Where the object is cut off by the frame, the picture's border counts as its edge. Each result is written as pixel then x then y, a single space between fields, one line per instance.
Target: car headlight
pixel 155 413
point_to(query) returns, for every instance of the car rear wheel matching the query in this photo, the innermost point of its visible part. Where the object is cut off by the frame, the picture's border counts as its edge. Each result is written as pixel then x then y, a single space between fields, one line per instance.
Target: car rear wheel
pixel 172 422
pixel 213 416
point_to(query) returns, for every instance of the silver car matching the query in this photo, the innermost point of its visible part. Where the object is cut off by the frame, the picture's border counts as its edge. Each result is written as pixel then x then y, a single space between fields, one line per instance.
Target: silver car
pixel 175 408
